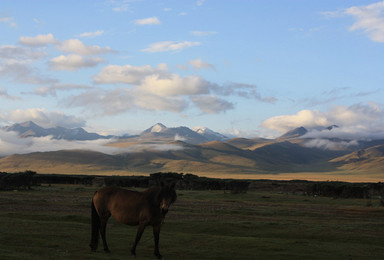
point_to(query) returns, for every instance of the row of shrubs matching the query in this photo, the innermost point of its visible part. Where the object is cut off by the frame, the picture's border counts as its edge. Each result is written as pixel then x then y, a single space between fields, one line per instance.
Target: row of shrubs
pixel 24 180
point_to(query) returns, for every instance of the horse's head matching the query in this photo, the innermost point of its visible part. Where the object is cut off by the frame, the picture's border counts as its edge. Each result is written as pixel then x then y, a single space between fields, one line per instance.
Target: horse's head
pixel 167 197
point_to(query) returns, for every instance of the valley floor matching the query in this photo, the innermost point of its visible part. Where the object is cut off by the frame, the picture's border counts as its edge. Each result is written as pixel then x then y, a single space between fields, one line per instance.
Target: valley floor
pixel 53 222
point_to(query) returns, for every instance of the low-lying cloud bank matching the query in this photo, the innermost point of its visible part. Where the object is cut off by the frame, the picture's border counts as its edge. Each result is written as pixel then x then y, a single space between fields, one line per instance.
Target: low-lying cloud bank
pixel 11 143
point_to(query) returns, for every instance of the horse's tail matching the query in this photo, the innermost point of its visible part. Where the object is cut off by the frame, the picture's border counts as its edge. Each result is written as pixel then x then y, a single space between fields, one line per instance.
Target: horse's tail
pixel 95 228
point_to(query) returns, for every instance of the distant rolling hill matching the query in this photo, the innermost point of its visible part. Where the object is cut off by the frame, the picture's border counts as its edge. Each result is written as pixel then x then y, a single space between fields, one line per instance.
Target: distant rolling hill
pixel 369 160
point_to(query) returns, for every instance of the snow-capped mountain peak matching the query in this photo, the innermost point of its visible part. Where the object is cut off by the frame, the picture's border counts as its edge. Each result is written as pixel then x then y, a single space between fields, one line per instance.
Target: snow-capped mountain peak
pixel 208 133
pixel 159 127
pixel 201 129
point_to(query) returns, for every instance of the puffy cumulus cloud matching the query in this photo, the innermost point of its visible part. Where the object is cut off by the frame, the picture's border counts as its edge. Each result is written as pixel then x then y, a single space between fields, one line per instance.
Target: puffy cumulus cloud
pixel 357 115
pixel 78 47
pixel 174 85
pixel 167 46
pixel 360 121
pixel 38 40
pixel 211 104
pixel 370 19
pixel 148 21
pixel 44 118
pixel 306 118
pixel 73 62
pixel 157 88
pixel 127 74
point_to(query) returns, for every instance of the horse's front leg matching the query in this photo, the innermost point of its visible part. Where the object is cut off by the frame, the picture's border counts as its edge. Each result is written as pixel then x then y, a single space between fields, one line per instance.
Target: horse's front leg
pixel 140 231
pixel 156 235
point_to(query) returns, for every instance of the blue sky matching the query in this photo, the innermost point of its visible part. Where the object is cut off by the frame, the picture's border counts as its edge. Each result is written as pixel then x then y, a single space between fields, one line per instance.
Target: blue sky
pixel 247 68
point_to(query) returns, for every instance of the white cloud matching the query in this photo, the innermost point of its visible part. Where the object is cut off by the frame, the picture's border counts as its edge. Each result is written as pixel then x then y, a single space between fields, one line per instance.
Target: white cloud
pixel 212 104
pixel 39 40
pixel 103 102
pixel 148 21
pixel 4 94
pixel 127 74
pixel 243 90
pixel 148 101
pixel 203 33
pixel 78 47
pixel 20 71
pixel 91 34
pixel 73 62
pixel 200 2
pixel 327 144
pixel 53 89
pixel 306 118
pixel 174 85
pixel 370 19
pixel 8 20
pixel 169 46
pixel 156 88
pixel 199 64
pixel 44 118
pixel 11 143
pixel 17 53
pixel 355 122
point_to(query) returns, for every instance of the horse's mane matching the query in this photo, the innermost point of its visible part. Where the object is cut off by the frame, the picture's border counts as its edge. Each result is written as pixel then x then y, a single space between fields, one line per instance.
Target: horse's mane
pixel 155 193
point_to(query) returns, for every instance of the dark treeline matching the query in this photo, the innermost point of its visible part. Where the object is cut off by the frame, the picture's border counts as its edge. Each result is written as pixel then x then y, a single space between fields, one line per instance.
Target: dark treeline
pixel 24 180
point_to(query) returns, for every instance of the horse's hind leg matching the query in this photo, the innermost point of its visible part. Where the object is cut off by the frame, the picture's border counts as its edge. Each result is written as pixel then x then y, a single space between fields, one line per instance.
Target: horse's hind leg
pixel 140 231
pixel 103 229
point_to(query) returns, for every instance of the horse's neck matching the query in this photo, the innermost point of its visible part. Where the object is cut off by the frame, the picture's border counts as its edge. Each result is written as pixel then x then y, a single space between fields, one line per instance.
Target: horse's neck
pixel 153 195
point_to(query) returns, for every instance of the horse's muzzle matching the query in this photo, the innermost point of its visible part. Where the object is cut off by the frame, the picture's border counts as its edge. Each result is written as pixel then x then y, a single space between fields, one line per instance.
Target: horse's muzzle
pixel 164 211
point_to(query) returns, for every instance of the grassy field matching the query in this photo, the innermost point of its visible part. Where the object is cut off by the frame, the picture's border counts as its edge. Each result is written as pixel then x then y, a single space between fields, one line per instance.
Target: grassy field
pixel 53 222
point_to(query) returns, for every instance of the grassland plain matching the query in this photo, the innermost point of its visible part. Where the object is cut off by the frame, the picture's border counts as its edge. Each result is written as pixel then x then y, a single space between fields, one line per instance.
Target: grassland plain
pixel 53 222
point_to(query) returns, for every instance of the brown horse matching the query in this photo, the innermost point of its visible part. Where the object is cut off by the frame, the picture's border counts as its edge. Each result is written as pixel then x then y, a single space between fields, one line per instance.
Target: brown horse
pixel 132 208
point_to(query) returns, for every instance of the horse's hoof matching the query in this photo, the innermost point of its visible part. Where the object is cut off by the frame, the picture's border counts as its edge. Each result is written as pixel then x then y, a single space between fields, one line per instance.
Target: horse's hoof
pixel 107 251
pixel 93 248
pixel 158 256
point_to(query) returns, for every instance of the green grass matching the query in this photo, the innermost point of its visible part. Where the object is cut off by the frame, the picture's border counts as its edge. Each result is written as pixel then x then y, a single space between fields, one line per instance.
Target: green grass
pixel 54 223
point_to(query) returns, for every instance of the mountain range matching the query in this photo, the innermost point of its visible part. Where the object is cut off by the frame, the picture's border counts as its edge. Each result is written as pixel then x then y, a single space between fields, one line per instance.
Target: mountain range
pixel 203 152
pixel 198 135
pixel 30 129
